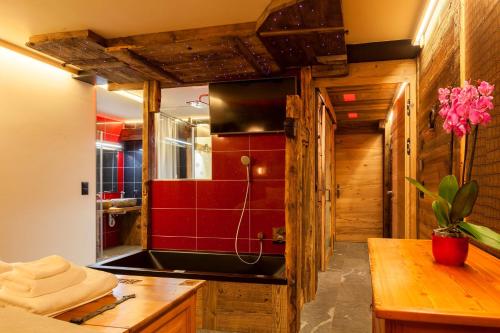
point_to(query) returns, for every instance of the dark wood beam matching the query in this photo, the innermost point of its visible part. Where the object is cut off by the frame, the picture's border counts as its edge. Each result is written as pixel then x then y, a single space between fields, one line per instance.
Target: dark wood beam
pixel 183 36
pixel 142 65
pixel 243 50
pixel 330 71
pixel 324 30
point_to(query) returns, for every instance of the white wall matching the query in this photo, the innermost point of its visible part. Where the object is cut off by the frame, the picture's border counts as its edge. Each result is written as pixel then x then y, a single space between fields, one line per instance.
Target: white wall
pixel 47 147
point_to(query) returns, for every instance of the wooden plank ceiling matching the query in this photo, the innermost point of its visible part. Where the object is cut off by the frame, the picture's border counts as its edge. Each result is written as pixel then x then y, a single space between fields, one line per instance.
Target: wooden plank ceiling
pixel 289 34
pixel 362 106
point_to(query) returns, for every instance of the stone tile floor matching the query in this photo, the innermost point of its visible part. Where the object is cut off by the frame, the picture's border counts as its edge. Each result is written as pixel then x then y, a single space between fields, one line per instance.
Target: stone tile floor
pixel 342 304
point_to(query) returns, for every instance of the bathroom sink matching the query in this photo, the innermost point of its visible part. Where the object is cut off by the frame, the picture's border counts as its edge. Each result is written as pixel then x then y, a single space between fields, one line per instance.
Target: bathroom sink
pixel 106 204
pixel 124 202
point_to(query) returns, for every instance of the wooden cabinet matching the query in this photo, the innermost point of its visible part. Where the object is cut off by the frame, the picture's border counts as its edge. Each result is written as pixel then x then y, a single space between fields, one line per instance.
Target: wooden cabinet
pixel 162 305
pixel 413 294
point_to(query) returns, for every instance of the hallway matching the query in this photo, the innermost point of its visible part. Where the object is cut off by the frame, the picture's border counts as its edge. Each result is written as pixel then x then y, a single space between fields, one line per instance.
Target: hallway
pixel 343 300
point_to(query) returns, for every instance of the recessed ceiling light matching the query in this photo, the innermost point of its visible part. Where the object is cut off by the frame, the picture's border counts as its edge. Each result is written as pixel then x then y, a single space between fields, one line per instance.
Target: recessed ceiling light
pixel 349 97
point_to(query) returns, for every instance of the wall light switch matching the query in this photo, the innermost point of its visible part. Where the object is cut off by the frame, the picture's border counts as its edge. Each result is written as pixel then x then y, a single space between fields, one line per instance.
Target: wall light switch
pixel 85 188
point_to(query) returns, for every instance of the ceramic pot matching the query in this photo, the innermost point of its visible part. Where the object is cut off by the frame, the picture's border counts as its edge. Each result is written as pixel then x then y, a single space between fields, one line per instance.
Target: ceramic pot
pixel 449 249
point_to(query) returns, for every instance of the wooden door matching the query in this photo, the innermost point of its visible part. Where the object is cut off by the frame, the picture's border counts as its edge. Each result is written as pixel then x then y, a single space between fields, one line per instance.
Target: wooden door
pixel 359 190
pixel 328 208
pixel 325 185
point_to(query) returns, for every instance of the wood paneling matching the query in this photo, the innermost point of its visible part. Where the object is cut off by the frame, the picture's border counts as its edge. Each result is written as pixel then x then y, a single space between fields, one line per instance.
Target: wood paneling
pixel 359 162
pixel 242 307
pixel 439 66
pixel 372 102
pixel 398 151
pixel 408 286
pixel 482 61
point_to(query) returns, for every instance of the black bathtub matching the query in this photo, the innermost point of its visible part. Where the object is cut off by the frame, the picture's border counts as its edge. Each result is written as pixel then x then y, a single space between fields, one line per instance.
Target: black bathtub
pixel 197 265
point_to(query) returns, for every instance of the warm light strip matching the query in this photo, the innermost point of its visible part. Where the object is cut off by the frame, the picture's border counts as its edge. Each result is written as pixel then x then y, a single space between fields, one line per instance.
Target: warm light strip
pixel 108 145
pixel 122 93
pixel 38 56
pixel 429 10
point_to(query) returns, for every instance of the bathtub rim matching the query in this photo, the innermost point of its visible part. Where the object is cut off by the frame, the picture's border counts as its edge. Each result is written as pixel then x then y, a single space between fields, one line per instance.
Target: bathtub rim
pixel 278 279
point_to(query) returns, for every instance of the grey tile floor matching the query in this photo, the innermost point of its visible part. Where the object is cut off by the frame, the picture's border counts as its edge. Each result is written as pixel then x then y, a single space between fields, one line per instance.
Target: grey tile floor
pixel 342 304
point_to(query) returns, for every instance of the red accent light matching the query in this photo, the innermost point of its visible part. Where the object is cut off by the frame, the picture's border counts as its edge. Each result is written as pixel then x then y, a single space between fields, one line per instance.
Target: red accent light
pixel 349 97
pixel 352 115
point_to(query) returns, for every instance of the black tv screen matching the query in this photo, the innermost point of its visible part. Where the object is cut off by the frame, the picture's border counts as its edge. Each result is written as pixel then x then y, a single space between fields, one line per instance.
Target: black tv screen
pixel 249 106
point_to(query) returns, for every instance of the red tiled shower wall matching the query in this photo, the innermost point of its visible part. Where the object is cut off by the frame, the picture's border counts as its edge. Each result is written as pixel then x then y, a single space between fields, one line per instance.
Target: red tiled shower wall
pixel 111 129
pixel 202 215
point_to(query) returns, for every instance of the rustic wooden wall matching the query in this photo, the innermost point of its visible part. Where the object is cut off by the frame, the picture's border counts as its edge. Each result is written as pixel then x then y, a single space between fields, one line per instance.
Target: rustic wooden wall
pixel 482 61
pixel 444 60
pixel 438 66
pixel 242 307
pixel 398 151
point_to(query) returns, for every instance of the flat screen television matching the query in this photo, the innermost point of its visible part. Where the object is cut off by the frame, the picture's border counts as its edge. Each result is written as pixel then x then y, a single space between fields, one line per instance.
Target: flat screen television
pixel 249 106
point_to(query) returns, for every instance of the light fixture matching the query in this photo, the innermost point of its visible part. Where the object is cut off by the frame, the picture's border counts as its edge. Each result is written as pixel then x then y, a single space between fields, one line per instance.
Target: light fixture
pixel 123 93
pixel 108 145
pixel 199 104
pixel 349 97
pixel 424 22
pixel 352 115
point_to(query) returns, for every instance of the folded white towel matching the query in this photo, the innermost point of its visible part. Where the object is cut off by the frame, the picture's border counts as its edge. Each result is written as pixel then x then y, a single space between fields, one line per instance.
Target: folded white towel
pixel 96 285
pixel 17 284
pixel 42 268
pixel 4 267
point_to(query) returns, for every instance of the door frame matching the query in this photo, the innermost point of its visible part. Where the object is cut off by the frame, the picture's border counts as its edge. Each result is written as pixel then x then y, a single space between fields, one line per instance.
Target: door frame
pixel 392 71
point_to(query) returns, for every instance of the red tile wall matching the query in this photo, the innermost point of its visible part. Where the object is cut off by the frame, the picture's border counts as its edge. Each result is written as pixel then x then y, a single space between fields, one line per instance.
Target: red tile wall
pixel 111 129
pixel 202 215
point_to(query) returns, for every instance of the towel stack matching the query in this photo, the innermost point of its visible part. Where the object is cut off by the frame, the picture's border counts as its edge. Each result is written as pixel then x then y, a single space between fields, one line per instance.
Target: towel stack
pixel 51 285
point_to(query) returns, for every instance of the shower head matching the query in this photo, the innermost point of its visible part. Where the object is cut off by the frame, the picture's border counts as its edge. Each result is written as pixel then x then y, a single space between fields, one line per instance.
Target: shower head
pixel 245 160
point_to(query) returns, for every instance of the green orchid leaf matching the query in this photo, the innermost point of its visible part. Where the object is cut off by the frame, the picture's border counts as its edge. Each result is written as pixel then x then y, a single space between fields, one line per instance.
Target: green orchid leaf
pixel 464 201
pixel 441 213
pixel 482 234
pixel 445 204
pixel 448 188
pixel 422 188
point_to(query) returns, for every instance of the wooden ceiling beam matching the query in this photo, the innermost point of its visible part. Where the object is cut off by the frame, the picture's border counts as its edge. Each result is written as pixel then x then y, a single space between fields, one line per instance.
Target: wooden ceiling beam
pixel 142 65
pixel 243 50
pixel 183 36
pixel 330 71
pixel 361 108
pixel 125 86
pixel 377 72
pixel 325 30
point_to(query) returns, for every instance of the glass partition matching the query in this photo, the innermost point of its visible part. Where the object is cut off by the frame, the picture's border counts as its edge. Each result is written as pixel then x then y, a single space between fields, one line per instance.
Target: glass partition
pixel 183 148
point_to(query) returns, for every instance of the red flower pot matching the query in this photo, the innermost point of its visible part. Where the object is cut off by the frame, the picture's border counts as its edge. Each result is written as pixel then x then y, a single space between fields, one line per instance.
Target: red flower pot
pixel 449 250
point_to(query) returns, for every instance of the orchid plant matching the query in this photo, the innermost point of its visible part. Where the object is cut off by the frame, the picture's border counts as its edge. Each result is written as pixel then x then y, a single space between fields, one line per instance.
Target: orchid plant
pixel 464 110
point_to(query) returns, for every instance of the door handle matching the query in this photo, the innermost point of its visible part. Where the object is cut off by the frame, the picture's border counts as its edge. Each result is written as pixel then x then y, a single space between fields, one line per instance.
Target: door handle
pixel 338 190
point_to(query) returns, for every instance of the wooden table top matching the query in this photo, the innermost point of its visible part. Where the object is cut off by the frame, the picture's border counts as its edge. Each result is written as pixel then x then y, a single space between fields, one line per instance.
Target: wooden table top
pixel 408 285
pixel 154 297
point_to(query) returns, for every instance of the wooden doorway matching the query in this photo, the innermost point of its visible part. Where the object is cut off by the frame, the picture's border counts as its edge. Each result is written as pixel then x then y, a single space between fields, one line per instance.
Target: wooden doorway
pixel 359 186
pixel 325 181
